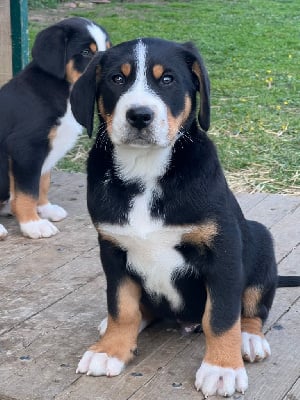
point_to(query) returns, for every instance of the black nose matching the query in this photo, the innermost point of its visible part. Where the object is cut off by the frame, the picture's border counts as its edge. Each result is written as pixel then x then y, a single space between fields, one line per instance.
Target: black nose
pixel 140 117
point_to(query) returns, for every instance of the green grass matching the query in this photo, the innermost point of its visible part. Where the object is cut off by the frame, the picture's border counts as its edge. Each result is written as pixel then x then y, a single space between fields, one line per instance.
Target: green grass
pixel 252 52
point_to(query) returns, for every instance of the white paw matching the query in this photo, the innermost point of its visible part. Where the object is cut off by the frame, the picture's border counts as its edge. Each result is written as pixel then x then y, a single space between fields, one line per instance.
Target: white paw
pixel 254 347
pixel 97 364
pixel 3 232
pixel 103 326
pixel 38 229
pixel 52 212
pixel 212 380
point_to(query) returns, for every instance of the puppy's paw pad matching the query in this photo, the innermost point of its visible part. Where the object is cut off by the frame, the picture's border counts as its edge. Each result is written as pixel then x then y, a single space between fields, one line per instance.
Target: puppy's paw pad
pixel 102 326
pixel 254 347
pixel 97 364
pixel 3 232
pixel 213 380
pixel 41 228
pixel 52 212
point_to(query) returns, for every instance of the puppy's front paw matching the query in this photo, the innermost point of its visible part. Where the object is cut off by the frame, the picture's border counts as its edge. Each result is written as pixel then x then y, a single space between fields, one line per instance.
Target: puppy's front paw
pixel 213 380
pixel 52 212
pixel 254 347
pixel 42 228
pixel 97 364
pixel 3 232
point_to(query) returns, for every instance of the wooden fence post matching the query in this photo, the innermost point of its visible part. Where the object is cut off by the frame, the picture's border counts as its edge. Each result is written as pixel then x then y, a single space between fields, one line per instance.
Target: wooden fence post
pixel 5 43
pixel 19 34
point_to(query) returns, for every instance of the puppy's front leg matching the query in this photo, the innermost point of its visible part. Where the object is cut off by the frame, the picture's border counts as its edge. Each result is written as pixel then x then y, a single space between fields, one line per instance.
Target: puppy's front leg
pixel 222 370
pixel 117 346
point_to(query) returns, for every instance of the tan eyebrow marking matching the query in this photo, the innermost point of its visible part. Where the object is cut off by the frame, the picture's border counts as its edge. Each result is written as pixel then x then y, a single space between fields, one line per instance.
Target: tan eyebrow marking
pixel 126 69
pixel 158 70
pixel 93 47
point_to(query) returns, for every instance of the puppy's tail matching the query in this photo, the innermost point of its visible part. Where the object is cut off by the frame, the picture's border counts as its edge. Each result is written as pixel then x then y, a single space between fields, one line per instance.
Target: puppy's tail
pixel 288 281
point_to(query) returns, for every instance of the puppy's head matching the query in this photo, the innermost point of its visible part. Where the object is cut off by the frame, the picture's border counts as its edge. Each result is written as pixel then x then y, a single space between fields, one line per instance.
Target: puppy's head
pixel 145 91
pixel 65 49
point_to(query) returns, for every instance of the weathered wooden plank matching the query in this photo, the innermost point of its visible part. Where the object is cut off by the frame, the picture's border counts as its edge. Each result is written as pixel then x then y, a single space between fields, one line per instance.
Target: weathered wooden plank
pixel 42 292
pixel 286 234
pixel 249 201
pixel 273 208
pixel 5 42
pixel 293 394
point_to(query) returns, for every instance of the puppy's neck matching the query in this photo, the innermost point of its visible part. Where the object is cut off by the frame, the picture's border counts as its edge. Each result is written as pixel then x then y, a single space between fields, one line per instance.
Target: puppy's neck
pixel 145 164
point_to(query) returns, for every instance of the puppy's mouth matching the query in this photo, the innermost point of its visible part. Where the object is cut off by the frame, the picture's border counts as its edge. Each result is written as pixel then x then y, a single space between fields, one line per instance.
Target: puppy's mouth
pixel 137 138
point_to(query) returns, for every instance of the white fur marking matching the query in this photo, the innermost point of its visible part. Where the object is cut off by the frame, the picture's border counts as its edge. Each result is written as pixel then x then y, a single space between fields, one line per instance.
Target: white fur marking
pixel 3 232
pixel 98 35
pixel 52 212
pixel 66 136
pixel 213 380
pixel 254 347
pixel 98 364
pixel 141 163
pixel 140 94
pixel 151 249
pixel 38 229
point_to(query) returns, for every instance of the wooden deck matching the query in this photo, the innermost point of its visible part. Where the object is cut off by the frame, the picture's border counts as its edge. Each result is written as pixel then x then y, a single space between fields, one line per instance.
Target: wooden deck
pixel 52 296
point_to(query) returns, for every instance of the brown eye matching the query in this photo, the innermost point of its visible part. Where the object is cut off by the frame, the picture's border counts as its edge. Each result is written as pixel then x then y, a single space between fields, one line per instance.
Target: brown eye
pixel 118 79
pixel 167 79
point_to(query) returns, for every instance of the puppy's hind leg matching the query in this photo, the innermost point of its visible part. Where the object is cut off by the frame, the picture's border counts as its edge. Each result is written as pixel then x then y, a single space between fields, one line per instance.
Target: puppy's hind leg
pixel 46 209
pixel 258 297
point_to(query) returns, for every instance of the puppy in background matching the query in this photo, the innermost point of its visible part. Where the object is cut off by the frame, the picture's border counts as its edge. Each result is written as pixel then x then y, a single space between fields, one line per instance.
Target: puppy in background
pixel 37 126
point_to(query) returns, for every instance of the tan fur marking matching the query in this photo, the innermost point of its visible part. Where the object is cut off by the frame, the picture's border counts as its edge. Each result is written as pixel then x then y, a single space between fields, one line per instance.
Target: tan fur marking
pixel 158 70
pixel 52 135
pixel 126 69
pixel 71 73
pixel 108 118
pixel 202 234
pixel 176 123
pixel 108 44
pixel 251 299
pixel 105 236
pixel 222 350
pixel 44 189
pixel 252 325
pixel 120 337
pixel 24 207
pixel 197 70
pixel 93 47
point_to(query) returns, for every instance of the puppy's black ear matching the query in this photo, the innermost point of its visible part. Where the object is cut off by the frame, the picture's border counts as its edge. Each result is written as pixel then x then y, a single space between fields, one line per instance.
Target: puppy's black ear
pixel 49 51
pixel 83 95
pixel 198 69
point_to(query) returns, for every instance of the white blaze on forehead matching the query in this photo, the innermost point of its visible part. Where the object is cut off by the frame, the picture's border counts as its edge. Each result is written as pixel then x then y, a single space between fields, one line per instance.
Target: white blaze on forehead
pixel 98 35
pixel 140 56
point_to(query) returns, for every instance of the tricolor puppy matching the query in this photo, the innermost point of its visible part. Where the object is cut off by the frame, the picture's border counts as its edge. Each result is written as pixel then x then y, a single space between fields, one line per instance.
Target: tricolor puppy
pixel 174 242
pixel 37 126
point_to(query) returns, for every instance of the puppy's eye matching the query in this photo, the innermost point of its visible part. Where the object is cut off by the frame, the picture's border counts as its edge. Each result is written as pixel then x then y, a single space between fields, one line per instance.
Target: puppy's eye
pixel 167 79
pixel 86 52
pixel 118 79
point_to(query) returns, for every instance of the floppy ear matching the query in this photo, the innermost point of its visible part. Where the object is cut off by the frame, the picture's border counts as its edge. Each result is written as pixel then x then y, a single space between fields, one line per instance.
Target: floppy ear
pixel 49 51
pixel 199 71
pixel 83 95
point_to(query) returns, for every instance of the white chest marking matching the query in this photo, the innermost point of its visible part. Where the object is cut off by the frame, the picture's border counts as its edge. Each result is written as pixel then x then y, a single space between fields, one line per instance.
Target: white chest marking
pixel 151 249
pixel 65 138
